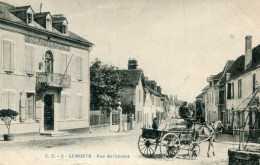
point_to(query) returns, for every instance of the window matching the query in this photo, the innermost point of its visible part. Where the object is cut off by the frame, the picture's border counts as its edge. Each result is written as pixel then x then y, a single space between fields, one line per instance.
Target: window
pixel 64 29
pixel 229 91
pixel 79 68
pixel 254 81
pixel 29 60
pixel 139 95
pixel 232 90
pixel 239 88
pixel 30 108
pixel 8 56
pixel 79 107
pixel 48 24
pixel 29 18
pixel 65 107
pixel 65 64
pixel 8 100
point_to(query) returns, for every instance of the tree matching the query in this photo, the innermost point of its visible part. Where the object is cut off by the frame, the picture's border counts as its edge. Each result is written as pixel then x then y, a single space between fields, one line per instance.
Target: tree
pixel 105 85
pixel 7 115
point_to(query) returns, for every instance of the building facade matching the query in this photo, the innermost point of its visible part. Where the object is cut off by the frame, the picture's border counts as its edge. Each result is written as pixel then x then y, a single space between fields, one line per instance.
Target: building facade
pixel 242 86
pixel 44 71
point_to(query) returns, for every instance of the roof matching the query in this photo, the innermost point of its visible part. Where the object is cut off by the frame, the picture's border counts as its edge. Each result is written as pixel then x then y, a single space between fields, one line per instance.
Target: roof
pixel 40 15
pixel 132 76
pixel 20 8
pixel 7 16
pixel 225 71
pixel 147 86
pixel 59 18
pixel 200 96
pixel 216 77
pixel 237 68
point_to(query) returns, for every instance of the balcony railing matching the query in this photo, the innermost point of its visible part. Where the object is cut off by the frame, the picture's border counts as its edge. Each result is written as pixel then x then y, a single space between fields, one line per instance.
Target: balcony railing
pixel 53 80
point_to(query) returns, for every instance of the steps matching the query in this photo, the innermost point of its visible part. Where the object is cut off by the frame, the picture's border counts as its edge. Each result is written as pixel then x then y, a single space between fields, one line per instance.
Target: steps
pixel 55 134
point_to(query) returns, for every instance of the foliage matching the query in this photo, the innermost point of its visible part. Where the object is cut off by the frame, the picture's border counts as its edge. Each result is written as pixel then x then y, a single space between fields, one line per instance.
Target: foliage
pixel 105 84
pixel 7 115
pixel 128 108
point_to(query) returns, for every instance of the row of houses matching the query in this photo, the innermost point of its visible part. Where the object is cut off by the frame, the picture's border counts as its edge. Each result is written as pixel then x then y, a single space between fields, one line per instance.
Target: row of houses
pixel 145 96
pixel 232 95
pixel 45 75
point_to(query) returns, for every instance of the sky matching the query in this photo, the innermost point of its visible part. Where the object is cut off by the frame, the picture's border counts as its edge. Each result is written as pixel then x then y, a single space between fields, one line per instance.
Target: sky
pixel 177 43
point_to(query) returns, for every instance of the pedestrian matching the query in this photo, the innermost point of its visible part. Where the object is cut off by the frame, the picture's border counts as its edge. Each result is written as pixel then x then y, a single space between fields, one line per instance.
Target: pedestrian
pixel 120 128
pixel 155 126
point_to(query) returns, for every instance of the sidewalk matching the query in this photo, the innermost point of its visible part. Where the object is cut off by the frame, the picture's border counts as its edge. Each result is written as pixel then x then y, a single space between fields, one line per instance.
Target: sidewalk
pixel 37 137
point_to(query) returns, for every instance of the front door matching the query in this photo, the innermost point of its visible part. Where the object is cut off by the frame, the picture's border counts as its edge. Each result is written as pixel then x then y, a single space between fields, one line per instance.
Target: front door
pixel 49 112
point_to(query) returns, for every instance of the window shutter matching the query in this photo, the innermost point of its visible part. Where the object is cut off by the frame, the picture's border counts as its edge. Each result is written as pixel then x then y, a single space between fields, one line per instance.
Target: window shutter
pixel 23 115
pixel 229 91
pixel 38 109
pixel 11 100
pixel 62 63
pixel 78 107
pixel 27 60
pixel 6 55
pixel 62 107
pixel 72 67
pixel 77 64
pixel 81 68
pixel 33 60
pixel 69 64
pixel 12 56
pixel 5 99
pixel 67 107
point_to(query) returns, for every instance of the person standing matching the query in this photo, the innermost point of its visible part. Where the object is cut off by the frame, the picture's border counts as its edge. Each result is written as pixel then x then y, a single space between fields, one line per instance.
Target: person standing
pixel 120 117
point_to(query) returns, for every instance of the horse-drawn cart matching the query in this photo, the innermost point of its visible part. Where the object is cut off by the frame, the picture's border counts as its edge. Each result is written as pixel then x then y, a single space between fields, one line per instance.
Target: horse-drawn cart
pixel 169 141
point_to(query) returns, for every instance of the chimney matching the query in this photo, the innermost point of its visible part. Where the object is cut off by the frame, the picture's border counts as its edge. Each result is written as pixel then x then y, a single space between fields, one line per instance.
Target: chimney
pixel 132 64
pixel 146 79
pixel 227 76
pixel 159 89
pixel 248 51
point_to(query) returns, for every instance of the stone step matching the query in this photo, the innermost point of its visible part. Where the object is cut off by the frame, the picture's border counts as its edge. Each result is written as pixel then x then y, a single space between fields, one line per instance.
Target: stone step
pixel 56 133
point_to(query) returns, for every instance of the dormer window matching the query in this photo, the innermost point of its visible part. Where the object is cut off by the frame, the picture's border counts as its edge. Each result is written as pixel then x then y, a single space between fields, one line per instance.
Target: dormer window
pixel 48 24
pixel 64 29
pixel 29 18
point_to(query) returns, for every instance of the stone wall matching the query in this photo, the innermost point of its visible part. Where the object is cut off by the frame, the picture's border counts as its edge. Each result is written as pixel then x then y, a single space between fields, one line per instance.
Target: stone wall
pixel 243 157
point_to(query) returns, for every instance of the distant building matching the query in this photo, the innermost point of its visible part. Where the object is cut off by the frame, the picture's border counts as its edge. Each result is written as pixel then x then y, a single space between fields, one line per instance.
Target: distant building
pixel 133 94
pixel 44 71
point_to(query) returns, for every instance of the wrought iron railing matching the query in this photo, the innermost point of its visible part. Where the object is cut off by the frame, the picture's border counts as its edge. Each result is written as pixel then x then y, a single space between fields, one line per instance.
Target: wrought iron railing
pixel 53 80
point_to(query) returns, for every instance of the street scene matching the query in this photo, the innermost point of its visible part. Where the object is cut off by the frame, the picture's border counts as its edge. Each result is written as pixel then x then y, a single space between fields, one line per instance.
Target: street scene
pixel 130 82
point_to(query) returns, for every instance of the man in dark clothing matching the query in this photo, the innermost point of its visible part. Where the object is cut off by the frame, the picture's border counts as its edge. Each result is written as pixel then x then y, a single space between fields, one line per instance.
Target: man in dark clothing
pixel 155 126
pixel 184 111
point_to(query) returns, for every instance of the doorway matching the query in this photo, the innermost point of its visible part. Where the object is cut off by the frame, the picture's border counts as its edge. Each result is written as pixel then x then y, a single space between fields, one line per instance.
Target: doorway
pixel 49 112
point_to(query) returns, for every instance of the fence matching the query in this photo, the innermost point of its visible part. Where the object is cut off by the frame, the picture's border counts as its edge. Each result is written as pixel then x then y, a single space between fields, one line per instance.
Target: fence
pixel 110 121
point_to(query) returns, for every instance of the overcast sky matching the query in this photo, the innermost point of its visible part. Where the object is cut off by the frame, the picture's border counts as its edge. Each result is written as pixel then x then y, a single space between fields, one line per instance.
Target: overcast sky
pixel 177 43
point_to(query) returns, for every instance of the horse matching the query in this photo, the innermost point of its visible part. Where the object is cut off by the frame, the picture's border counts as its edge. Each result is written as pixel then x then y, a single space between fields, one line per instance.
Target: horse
pixel 207 133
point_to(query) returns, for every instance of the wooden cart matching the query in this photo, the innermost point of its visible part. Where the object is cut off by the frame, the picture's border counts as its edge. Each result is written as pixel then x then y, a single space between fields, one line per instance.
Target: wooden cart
pixel 170 142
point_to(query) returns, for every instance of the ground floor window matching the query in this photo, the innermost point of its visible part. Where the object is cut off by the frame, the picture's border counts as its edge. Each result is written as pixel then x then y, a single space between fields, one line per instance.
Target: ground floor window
pixel 65 107
pixel 30 108
pixel 79 107
pixel 8 100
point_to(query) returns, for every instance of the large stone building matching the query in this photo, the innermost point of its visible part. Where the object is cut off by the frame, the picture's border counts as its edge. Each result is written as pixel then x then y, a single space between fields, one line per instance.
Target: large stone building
pixel 44 71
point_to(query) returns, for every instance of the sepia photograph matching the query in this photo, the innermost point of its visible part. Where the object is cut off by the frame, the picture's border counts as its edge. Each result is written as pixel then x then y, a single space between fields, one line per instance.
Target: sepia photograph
pixel 112 82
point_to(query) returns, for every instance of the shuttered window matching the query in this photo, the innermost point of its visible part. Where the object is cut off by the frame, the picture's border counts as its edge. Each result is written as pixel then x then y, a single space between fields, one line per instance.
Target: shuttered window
pixel 79 107
pixel 8 100
pixel 229 91
pixel 30 108
pixel 79 68
pixel 8 56
pixel 239 88
pixel 29 60
pixel 65 64
pixel 232 87
pixel 65 107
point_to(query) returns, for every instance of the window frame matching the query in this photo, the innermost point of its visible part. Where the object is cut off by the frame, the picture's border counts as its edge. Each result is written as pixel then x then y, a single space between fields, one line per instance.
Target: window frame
pixel 29 21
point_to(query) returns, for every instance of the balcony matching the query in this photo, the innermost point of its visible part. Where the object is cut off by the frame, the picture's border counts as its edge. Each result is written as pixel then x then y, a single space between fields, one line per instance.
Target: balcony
pixel 44 79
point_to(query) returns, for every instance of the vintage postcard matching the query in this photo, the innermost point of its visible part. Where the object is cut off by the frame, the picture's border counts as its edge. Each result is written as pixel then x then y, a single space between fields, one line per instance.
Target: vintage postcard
pixel 93 82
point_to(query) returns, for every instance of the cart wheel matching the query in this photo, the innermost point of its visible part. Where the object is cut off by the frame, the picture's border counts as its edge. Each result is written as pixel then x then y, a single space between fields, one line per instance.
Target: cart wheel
pixel 147 147
pixel 194 150
pixel 170 146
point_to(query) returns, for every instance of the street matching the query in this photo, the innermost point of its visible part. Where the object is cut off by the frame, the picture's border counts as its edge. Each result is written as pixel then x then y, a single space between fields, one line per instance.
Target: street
pixel 102 150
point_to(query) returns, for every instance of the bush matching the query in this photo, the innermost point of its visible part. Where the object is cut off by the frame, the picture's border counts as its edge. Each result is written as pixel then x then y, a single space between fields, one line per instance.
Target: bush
pixel 7 115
